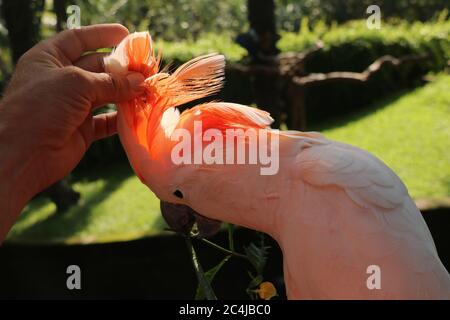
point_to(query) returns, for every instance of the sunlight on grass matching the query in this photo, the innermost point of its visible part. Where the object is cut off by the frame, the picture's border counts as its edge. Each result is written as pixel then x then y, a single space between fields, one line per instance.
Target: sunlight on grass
pixel 410 134
pixel 117 208
pixel 131 210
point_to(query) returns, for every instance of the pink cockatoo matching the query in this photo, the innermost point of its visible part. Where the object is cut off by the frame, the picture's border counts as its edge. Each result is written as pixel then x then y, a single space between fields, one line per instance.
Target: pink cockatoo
pixel 345 223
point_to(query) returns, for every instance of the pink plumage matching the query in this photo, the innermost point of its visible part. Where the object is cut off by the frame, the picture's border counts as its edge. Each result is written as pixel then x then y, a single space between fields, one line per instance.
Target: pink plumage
pixel 336 210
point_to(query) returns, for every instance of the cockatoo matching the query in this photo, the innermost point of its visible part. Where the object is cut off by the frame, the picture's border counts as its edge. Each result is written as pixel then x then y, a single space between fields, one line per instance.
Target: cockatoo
pixel 345 223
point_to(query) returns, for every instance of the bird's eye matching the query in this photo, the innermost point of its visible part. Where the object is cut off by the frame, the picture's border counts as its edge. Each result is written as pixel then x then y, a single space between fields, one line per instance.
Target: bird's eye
pixel 178 194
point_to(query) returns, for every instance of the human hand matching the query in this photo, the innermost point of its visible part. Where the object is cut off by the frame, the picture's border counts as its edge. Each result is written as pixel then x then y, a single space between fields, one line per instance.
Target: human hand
pixel 46 122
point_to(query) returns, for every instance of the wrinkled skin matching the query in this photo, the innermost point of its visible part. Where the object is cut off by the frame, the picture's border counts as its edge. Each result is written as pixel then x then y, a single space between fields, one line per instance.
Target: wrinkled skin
pixel 47 108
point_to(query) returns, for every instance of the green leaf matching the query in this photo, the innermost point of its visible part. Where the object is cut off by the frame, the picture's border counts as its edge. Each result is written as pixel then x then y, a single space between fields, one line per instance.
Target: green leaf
pixel 257 255
pixel 209 276
pixel 231 236
pixel 201 276
pixel 255 280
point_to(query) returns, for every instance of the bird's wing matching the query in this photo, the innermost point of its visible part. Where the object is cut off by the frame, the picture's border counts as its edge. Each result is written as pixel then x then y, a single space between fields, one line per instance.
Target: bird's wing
pixel 366 180
pixel 224 115
pixel 377 217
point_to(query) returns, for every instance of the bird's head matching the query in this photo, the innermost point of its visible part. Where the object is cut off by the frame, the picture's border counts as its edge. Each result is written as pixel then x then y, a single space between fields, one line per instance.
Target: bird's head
pixel 144 123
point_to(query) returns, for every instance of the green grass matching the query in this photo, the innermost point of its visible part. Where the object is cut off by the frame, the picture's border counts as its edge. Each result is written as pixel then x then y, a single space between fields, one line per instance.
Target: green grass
pixel 410 133
pixel 115 206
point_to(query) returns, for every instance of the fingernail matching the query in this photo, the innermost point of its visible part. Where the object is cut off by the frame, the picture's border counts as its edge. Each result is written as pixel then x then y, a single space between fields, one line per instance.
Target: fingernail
pixel 136 81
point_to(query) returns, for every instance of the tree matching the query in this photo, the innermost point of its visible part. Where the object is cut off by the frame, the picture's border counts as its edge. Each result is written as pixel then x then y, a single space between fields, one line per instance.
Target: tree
pixel 23 21
pixel 260 42
pixel 261 15
pixel 59 8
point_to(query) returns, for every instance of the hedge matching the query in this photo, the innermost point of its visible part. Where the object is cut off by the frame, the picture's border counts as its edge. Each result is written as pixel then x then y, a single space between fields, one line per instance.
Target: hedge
pixel 350 46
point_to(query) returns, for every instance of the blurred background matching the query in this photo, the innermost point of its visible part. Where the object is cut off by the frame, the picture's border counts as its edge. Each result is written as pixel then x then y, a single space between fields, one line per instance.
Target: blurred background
pixel 316 65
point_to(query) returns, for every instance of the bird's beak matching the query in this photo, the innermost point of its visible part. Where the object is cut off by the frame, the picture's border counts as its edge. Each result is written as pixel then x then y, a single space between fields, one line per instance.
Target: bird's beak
pixel 181 218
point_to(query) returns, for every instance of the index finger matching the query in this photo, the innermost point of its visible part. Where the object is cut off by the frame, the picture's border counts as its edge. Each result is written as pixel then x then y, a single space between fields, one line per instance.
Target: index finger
pixel 73 43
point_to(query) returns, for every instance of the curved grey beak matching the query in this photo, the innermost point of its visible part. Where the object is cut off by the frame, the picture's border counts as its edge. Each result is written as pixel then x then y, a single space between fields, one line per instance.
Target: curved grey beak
pixel 181 218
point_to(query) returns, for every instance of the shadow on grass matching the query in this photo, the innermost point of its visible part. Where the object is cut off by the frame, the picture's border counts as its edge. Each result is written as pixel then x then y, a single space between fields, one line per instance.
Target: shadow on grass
pixel 115 169
pixel 347 118
pixel 447 183
pixel 56 227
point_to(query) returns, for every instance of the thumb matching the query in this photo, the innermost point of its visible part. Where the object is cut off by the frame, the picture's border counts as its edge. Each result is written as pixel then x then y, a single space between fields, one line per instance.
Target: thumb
pixel 114 88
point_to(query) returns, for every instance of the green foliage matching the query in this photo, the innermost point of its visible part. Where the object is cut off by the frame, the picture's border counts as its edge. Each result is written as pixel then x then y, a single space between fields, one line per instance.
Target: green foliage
pixel 204 282
pixel 352 46
pixel 210 275
pixel 290 12
pixel 23 21
pixel 257 255
pixel 182 51
pixel 5 57
pixel 181 19
pixel 168 19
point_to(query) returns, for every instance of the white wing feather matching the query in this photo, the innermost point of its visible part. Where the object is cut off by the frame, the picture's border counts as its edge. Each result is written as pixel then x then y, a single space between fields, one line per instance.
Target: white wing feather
pixel 387 228
pixel 366 180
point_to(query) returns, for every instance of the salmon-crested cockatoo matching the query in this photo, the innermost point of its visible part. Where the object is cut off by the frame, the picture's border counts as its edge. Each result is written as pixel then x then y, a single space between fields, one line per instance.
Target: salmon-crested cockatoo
pixel 345 223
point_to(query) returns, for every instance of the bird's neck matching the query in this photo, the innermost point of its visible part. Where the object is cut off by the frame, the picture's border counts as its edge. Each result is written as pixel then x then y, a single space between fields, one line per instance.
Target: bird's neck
pixel 237 195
